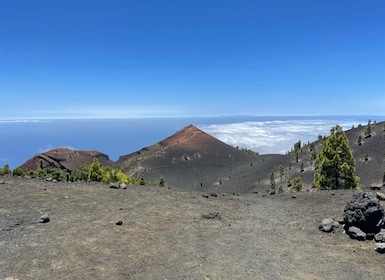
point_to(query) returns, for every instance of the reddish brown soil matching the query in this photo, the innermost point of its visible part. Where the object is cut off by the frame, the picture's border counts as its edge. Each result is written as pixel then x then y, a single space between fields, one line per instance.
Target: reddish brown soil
pixel 164 236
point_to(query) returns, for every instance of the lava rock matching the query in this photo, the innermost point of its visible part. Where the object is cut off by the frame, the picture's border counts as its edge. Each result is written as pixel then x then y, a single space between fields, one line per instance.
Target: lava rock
pixel 44 219
pixel 365 212
pixel 379 247
pixel 212 216
pixel 380 196
pixel 380 237
pixel 356 233
pixel 328 225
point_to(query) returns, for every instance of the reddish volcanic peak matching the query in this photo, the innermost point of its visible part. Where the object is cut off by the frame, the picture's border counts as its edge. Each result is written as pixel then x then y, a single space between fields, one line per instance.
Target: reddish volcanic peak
pixel 65 159
pixel 190 135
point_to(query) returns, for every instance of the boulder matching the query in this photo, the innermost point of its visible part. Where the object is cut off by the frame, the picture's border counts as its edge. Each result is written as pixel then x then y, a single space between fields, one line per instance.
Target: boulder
pixel 379 247
pixel 328 225
pixel 364 212
pixel 356 233
pixel 44 219
pixel 123 186
pixel 380 196
pixel 375 188
pixel 380 237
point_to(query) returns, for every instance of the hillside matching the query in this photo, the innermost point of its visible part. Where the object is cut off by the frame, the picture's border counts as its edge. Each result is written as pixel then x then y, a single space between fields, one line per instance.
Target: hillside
pixel 190 158
pixel 194 160
pixel 65 159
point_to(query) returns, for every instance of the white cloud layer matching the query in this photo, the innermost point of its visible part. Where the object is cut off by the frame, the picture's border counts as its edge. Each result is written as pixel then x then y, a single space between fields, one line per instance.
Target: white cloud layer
pixel 272 137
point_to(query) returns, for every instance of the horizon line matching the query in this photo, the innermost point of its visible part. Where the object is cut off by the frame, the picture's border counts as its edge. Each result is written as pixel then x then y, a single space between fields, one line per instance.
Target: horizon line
pixel 38 119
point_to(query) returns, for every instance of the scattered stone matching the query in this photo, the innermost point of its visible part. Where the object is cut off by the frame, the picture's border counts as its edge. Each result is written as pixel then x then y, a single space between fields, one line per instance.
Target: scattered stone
pixel 365 212
pixel 375 188
pixel 356 233
pixel 379 247
pixel 205 195
pixel 123 186
pixel 114 186
pixel 380 237
pixel 49 179
pixel 119 223
pixel 328 225
pixel 212 216
pixel 2 182
pixel 293 196
pixel 380 196
pixel 44 219
pixel 213 194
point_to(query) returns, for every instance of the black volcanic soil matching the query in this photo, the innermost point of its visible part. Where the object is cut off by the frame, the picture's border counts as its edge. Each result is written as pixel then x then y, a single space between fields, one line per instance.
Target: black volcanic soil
pixel 164 236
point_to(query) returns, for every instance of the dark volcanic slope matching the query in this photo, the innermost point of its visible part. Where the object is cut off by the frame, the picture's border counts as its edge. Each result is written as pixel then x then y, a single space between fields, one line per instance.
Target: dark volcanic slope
pixel 370 171
pixel 190 158
pixel 65 159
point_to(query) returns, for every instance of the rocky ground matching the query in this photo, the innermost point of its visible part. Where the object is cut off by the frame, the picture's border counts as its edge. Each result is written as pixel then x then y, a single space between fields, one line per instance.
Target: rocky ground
pixel 174 234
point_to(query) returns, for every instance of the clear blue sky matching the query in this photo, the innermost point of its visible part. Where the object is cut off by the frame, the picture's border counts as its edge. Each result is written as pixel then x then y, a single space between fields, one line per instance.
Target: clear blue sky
pixel 151 58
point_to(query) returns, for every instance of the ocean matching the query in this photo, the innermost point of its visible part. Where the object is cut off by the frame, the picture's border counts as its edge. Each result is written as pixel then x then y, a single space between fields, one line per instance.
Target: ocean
pixel 22 139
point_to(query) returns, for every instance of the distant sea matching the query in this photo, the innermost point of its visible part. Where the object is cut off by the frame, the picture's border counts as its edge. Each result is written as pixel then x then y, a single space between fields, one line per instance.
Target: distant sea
pixel 22 139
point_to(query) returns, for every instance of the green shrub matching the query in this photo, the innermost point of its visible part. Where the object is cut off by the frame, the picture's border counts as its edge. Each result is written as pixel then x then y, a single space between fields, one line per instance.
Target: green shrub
pixel 18 171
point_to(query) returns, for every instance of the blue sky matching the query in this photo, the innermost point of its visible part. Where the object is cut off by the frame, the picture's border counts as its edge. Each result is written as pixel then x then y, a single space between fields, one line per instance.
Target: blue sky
pixel 71 59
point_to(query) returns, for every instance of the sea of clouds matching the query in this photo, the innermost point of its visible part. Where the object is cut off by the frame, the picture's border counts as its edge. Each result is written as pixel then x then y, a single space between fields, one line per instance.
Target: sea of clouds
pixel 274 137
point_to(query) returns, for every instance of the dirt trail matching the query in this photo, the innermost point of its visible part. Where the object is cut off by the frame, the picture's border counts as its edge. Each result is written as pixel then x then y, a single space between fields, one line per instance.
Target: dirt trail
pixel 164 236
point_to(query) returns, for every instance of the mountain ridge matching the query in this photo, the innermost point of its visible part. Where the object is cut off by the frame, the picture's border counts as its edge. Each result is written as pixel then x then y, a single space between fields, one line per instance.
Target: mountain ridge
pixel 192 159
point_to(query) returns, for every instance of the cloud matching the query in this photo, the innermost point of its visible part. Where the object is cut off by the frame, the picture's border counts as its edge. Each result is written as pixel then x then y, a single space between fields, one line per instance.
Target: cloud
pixel 272 137
pixel 23 121
pixel 50 147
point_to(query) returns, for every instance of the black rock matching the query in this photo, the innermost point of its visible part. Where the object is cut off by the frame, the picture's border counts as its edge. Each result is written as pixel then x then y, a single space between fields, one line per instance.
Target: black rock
pixel 356 233
pixel 119 223
pixel 380 237
pixel 380 196
pixel 212 215
pixel 365 212
pixel 379 247
pixel 44 219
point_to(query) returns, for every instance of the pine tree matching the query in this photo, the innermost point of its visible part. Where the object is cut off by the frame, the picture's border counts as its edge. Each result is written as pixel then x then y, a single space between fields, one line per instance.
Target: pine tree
pixel 336 163
pixel 368 130
pixel 302 168
pixel 96 171
pixel 162 182
pixel 142 181
pixel 359 140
